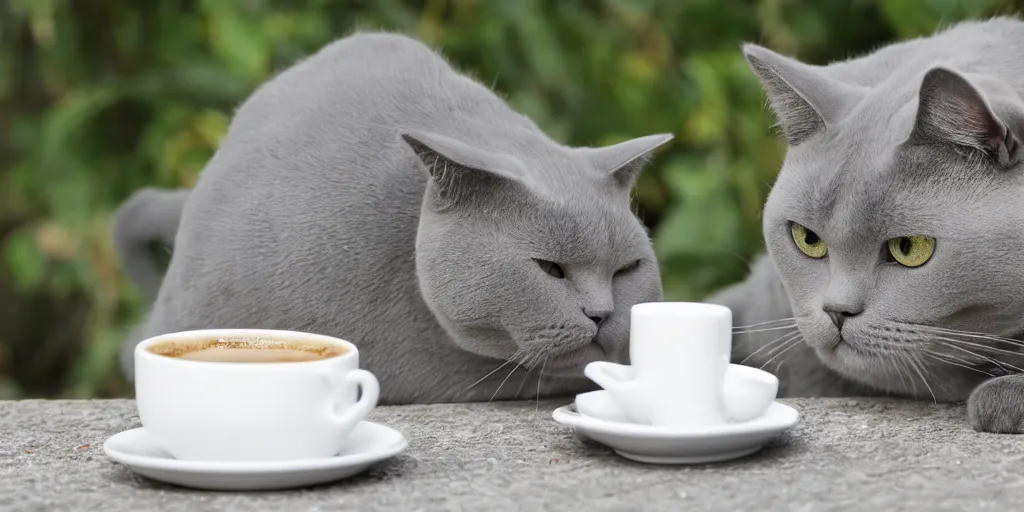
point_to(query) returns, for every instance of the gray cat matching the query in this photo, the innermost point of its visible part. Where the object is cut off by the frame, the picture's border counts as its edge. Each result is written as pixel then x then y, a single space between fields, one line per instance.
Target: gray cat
pixel 373 193
pixel 896 226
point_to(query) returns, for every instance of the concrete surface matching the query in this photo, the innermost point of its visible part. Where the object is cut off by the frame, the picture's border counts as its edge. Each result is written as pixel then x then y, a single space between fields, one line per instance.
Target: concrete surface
pixel 875 455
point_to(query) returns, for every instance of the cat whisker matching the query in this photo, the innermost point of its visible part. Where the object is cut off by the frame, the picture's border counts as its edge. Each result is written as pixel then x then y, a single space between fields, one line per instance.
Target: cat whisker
pixel 950 357
pixel 946 385
pixel 503 382
pixel 766 329
pixel 492 372
pixel 902 371
pixel 915 364
pixel 958 343
pixel 904 360
pixel 974 335
pixel 955 344
pixel 942 358
pixel 782 344
pixel 774 344
pixel 540 376
pixel 769 322
pixel 522 383
pixel 778 367
pixel 790 344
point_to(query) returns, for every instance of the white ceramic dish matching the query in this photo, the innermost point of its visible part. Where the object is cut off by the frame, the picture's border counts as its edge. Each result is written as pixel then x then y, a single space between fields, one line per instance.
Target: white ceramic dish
pixel 600 419
pixel 369 444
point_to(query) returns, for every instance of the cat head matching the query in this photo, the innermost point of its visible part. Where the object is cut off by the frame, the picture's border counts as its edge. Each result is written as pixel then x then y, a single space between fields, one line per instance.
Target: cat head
pixel 534 256
pixel 897 222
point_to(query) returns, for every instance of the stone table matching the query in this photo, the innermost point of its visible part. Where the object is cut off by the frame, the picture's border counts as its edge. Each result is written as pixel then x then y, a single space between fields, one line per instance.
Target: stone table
pixel 846 454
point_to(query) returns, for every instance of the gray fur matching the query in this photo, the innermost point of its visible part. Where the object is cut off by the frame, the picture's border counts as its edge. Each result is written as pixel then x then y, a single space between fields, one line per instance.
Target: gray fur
pixel 373 193
pixel 923 140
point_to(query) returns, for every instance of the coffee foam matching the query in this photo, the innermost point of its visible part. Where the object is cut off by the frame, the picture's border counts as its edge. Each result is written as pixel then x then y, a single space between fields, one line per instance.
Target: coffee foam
pixel 179 348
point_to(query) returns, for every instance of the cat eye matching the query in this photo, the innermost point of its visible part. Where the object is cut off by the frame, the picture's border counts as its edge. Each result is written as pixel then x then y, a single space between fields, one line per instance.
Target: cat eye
pixel 808 242
pixel 911 251
pixel 628 268
pixel 551 268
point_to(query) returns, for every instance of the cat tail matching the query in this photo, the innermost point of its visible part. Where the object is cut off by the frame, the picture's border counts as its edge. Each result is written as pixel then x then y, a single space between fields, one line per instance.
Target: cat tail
pixel 148 217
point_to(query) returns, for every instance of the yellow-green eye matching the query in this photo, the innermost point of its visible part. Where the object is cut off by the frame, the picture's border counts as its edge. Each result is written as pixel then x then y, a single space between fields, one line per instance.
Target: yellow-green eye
pixel 912 251
pixel 808 242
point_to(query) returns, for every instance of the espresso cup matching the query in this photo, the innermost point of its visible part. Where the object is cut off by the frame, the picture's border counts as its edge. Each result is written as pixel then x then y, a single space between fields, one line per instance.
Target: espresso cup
pixel 679 362
pixel 200 401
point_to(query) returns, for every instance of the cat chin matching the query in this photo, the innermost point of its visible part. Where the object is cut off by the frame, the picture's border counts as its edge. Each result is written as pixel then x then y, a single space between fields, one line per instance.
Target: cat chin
pixel 852 363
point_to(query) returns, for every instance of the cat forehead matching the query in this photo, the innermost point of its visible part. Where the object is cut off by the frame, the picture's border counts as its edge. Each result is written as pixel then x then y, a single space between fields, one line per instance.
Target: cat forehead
pixel 588 216
pixel 875 185
pixel 579 228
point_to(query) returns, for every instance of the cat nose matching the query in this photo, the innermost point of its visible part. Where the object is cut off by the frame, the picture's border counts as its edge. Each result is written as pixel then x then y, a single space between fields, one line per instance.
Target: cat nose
pixel 597 316
pixel 839 314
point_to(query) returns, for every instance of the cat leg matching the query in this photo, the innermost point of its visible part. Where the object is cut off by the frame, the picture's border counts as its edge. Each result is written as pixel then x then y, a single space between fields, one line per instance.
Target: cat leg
pixel 997 405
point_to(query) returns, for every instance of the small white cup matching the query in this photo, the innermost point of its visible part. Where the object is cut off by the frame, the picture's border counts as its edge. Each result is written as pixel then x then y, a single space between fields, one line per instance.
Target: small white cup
pixel 237 411
pixel 679 372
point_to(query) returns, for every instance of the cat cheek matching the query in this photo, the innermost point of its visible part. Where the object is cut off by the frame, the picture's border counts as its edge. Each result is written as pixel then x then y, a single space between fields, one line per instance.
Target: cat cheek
pixel 639 286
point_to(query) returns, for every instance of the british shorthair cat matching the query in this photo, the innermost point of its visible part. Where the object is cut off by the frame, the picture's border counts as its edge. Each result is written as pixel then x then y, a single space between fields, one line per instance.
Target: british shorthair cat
pixel 896 227
pixel 373 193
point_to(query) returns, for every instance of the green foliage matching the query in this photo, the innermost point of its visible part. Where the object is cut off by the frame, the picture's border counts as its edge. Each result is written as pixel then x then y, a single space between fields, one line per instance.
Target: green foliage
pixel 102 98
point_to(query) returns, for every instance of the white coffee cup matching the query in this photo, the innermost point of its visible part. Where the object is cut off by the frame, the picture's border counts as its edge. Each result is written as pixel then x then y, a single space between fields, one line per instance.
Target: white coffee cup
pixel 679 372
pixel 246 411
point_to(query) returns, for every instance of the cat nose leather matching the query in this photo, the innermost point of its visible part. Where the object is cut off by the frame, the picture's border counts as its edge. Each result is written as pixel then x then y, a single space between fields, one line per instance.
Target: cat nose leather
pixel 597 317
pixel 839 314
pixel 837 318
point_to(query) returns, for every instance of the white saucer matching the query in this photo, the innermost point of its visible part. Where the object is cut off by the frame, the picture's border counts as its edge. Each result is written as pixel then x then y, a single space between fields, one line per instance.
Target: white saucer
pixel 371 443
pixel 676 445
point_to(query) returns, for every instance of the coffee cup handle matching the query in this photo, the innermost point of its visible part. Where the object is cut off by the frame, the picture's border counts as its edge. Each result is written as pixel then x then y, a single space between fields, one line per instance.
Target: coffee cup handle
pixel 370 392
pixel 602 374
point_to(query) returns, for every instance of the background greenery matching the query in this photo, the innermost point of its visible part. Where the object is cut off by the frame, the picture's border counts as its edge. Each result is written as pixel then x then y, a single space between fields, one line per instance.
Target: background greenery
pixel 101 97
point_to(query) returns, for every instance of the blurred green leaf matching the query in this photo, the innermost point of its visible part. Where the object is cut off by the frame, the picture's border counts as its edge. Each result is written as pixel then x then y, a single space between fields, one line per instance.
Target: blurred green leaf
pixel 25 263
pixel 238 39
pixel 700 223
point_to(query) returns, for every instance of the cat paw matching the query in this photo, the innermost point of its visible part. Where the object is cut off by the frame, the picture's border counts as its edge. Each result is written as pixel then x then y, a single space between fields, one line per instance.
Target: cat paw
pixel 997 405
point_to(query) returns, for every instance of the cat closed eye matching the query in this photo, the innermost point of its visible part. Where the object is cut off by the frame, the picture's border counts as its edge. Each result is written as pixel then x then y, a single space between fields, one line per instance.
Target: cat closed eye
pixel 628 268
pixel 551 268
pixel 911 251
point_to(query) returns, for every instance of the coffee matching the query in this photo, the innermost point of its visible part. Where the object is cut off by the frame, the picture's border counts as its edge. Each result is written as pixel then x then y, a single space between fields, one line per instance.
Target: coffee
pixel 237 349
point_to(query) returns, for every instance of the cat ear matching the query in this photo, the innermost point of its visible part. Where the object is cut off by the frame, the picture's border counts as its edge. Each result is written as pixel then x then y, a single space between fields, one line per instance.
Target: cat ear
pixel 624 161
pixel 804 100
pixel 952 110
pixel 457 169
